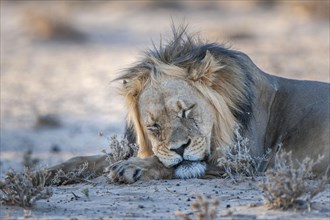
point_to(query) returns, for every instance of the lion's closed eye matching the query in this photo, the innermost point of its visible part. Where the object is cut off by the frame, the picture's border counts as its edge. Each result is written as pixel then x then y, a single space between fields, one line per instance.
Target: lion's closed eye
pixel 154 128
pixel 184 113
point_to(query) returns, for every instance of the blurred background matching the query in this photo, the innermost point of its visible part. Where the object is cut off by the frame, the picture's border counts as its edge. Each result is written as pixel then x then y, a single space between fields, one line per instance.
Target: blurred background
pixel 58 59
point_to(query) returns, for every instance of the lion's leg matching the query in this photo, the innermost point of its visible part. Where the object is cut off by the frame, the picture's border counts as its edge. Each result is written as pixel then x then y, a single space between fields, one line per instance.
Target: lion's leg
pixel 96 164
pixel 133 169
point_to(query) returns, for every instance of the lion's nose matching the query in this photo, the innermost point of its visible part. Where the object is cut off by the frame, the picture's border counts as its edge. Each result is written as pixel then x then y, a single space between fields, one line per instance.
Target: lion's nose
pixel 180 150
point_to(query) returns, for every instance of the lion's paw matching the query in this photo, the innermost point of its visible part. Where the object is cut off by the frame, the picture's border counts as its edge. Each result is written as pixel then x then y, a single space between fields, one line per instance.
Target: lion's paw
pixel 125 172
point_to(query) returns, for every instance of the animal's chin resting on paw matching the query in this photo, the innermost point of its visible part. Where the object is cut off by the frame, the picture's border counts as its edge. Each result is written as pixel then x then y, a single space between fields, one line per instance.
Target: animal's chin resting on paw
pixel 190 169
pixel 134 169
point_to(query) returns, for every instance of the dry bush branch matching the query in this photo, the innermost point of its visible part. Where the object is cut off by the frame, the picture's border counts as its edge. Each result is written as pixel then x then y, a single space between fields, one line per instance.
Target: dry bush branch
pixel 202 208
pixel 120 150
pixel 288 187
pixel 237 161
pixel 23 189
pixel 78 175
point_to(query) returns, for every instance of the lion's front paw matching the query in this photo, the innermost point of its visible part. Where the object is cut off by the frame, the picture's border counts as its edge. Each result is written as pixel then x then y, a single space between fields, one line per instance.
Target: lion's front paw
pixel 125 172
pixel 134 169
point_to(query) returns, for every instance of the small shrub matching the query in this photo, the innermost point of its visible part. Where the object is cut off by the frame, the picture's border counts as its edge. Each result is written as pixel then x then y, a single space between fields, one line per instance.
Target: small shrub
pixel 78 175
pixel 23 189
pixel 202 208
pixel 237 160
pixel 120 150
pixel 288 187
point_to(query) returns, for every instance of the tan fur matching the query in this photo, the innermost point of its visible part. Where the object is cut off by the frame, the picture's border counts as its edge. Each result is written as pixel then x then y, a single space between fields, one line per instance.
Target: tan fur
pixel 185 99
pixel 220 94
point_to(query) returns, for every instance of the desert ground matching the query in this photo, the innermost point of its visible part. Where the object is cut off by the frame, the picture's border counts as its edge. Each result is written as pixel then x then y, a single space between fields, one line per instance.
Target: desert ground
pixel 58 60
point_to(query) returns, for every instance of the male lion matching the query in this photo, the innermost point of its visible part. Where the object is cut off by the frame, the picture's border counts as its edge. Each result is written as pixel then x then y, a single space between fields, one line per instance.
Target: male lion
pixel 185 99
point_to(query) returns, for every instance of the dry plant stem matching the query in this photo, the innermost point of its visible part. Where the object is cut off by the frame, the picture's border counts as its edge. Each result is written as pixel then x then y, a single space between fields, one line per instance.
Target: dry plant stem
pixel 237 161
pixel 23 189
pixel 288 187
pixel 120 150
pixel 81 174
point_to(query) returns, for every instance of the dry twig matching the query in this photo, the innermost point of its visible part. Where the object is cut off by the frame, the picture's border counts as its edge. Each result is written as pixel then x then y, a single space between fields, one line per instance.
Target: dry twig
pixel 120 150
pixel 78 175
pixel 288 187
pixel 237 160
pixel 23 189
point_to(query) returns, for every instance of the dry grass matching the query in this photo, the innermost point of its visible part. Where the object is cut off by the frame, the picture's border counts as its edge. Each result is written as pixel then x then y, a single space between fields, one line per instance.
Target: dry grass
pixel 120 149
pixel 78 175
pixel 288 187
pixel 237 161
pixel 202 208
pixel 23 189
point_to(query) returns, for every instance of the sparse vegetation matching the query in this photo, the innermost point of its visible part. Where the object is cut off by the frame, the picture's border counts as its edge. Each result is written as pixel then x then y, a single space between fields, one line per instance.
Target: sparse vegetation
pixel 237 160
pixel 23 189
pixel 203 209
pixel 78 175
pixel 288 187
pixel 120 149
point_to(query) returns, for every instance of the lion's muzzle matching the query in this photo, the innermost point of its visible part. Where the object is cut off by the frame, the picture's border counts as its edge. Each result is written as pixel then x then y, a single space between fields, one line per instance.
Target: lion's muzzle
pixel 182 148
pixel 192 150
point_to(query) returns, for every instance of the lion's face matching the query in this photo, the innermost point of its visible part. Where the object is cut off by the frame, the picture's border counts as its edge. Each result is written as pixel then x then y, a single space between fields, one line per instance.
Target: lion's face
pixel 183 108
pixel 178 121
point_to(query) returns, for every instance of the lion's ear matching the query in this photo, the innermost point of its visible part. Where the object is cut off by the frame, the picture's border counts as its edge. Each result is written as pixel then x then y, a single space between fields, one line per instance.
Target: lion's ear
pixel 206 69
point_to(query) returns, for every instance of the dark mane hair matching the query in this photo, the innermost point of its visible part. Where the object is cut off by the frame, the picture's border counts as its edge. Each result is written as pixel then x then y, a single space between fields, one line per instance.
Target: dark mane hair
pixel 186 50
pixel 210 67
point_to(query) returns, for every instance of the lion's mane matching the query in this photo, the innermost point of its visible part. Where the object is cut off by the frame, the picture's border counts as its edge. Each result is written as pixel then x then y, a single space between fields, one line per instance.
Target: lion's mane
pixel 221 75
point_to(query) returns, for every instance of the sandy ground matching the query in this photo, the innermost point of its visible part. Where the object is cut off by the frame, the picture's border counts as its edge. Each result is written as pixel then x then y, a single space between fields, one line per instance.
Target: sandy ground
pixel 160 199
pixel 69 78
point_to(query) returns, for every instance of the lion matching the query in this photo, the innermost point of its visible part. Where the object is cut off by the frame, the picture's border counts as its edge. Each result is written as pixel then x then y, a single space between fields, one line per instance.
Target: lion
pixel 185 99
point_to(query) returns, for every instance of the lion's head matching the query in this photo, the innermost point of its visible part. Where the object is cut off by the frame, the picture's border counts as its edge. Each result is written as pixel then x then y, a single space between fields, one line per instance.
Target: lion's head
pixel 184 100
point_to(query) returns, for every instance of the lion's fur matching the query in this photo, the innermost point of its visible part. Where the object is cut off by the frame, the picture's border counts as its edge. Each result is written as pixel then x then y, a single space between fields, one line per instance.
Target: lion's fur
pixel 239 92
pixel 229 91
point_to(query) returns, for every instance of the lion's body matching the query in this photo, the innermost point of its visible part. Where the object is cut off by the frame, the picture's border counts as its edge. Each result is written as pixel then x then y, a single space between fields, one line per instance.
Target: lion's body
pixel 299 119
pixel 186 98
